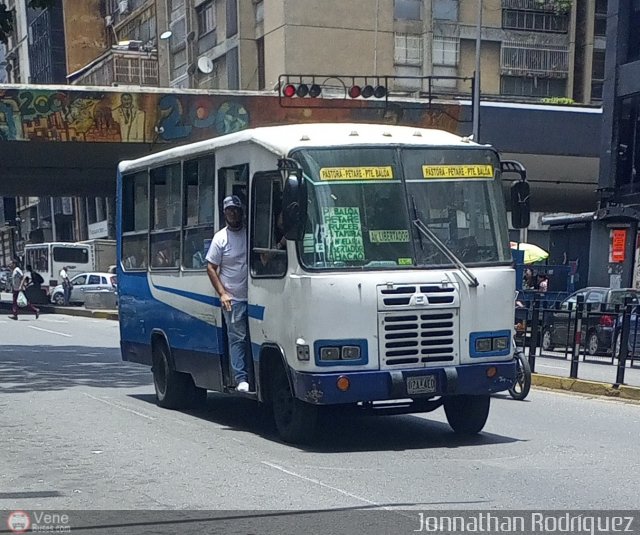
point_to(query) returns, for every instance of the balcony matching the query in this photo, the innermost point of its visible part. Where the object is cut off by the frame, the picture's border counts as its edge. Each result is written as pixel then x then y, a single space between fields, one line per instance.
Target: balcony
pixel 120 67
pixel 520 59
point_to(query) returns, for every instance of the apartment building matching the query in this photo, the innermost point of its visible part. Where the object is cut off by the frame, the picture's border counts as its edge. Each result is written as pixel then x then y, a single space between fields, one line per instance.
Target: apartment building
pixel 530 49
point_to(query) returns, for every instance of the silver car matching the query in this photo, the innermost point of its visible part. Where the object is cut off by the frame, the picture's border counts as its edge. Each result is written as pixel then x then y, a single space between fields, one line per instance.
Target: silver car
pixel 83 283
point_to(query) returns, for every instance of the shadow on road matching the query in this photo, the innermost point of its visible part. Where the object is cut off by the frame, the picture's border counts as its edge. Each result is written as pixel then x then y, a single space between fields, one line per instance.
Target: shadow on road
pixel 42 368
pixel 340 431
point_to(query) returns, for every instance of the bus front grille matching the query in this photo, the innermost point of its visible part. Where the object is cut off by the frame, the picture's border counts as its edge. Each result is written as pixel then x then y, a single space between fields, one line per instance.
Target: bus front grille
pixel 418 338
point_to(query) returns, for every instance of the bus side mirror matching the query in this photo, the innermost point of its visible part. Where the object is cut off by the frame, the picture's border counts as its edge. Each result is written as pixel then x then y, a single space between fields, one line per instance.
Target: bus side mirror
pixel 520 211
pixel 294 205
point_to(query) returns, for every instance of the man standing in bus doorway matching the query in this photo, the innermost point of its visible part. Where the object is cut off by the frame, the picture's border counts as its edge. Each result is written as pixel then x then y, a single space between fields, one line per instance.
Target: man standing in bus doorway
pixel 228 272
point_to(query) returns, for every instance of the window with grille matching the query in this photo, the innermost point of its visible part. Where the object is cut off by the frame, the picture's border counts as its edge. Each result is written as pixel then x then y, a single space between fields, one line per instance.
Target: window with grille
pixel 537 21
pixel 446 51
pixel 206 18
pixel 533 86
pixel 408 49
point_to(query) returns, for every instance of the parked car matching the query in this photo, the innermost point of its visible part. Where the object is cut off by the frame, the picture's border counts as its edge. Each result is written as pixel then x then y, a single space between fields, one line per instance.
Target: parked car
pixel 599 329
pixel 5 280
pixel 85 282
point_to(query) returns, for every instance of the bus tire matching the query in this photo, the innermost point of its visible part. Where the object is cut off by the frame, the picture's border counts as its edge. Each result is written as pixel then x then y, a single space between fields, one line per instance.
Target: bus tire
pixel 296 421
pixel 174 390
pixel 467 414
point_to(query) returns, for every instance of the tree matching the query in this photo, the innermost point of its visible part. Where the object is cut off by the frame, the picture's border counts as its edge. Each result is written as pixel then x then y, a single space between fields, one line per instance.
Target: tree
pixel 559 6
pixel 6 16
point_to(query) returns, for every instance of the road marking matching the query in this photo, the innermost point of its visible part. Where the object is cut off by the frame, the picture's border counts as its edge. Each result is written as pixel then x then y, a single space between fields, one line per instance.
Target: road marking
pixel 48 331
pixel 118 406
pixel 54 321
pixel 320 483
pixel 554 367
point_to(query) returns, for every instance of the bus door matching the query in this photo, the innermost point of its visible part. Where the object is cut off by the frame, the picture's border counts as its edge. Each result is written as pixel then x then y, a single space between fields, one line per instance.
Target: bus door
pixel 232 180
pixel 268 263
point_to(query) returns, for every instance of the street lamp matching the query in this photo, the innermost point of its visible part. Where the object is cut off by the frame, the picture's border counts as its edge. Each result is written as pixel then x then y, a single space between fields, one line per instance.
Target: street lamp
pixel 476 78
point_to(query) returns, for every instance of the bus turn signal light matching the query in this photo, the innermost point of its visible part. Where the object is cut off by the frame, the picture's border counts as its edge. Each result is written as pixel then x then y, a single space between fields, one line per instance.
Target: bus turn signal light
pixel 343 383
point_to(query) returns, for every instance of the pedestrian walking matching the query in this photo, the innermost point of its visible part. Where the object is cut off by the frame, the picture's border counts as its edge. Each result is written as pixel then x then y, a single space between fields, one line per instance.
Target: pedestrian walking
pixel 66 285
pixel 19 281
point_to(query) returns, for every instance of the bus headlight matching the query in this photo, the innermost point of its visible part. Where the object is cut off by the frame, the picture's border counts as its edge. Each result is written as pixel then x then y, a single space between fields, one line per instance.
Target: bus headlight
pixel 500 343
pixel 350 352
pixel 483 345
pixel 330 353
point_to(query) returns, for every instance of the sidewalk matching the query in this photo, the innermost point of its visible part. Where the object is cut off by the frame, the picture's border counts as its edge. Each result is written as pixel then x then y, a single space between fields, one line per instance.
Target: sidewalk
pixel 6 298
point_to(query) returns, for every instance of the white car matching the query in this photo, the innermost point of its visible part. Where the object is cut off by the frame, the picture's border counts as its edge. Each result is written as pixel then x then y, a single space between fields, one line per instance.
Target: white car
pixel 82 283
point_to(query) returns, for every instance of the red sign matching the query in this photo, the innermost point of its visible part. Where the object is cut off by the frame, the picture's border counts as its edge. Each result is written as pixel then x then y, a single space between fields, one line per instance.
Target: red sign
pixel 618 245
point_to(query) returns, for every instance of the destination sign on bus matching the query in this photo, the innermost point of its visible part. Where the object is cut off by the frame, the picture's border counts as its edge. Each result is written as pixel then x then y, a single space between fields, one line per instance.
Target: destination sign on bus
pixel 356 173
pixel 481 171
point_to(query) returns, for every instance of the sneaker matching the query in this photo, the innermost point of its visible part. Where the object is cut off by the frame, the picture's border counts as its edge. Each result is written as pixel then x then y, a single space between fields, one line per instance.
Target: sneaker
pixel 14 317
pixel 37 313
pixel 243 386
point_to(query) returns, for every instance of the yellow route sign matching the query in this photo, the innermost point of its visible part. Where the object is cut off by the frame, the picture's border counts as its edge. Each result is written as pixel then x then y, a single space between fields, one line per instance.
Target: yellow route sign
pixel 482 171
pixel 356 173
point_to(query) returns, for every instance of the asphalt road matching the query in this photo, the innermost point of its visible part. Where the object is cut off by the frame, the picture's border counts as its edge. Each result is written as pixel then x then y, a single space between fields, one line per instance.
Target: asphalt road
pixel 81 431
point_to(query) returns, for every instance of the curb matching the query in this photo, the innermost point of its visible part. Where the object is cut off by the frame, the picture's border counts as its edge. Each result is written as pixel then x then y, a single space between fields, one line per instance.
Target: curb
pixel 586 387
pixel 82 312
pixel 73 311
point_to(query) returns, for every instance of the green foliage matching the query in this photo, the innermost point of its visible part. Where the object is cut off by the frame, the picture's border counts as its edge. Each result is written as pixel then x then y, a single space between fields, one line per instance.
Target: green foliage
pixel 6 16
pixel 558 100
pixel 559 6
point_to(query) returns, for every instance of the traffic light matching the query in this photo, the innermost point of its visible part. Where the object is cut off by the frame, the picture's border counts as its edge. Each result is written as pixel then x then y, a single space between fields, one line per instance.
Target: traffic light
pixel 302 90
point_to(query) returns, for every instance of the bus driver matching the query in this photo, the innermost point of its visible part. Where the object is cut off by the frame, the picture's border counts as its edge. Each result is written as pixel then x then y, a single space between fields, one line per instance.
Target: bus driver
pixel 228 273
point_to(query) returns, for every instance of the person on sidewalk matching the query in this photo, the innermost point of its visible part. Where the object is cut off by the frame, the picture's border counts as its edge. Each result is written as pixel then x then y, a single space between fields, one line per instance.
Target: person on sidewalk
pixel 66 285
pixel 228 273
pixel 19 281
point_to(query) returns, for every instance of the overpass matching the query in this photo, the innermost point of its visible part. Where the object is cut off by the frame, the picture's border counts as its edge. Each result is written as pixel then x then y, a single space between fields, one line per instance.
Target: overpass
pixel 67 140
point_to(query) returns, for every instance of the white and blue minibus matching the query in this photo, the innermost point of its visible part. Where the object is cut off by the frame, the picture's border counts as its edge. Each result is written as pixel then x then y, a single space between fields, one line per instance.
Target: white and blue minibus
pixel 394 291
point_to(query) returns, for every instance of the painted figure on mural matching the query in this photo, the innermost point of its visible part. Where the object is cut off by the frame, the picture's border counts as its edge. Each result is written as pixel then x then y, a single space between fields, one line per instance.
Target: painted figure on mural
pixel 130 118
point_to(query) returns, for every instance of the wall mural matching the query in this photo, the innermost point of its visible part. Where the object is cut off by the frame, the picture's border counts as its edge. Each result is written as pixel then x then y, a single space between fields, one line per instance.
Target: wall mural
pixel 76 115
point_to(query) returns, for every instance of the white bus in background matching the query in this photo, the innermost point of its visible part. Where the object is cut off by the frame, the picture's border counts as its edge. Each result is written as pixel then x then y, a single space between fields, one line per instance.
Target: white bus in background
pixel 49 258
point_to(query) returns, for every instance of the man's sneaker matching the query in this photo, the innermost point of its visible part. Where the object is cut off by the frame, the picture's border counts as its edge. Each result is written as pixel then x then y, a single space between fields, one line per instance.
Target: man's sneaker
pixel 243 386
pixel 14 317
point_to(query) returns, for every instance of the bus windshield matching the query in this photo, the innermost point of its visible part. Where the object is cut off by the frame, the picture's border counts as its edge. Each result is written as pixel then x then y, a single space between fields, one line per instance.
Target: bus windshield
pixel 363 201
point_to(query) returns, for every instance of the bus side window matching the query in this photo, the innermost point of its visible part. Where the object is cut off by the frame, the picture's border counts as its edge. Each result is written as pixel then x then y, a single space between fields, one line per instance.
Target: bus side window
pixel 268 247
pixel 233 180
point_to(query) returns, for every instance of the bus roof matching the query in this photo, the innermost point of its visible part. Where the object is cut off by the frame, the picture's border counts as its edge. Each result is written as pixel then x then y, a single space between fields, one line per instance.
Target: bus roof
pixel 282 139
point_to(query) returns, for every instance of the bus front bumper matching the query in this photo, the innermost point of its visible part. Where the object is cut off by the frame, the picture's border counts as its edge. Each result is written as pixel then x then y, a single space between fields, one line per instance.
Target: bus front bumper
pixel 411 383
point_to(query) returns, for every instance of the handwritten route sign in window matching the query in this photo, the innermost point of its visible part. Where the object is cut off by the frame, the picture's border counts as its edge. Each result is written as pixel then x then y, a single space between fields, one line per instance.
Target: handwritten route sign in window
pixel 343 233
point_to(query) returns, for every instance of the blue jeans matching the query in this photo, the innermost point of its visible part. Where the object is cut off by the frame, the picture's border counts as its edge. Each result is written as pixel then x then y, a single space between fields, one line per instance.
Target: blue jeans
pixel 238 334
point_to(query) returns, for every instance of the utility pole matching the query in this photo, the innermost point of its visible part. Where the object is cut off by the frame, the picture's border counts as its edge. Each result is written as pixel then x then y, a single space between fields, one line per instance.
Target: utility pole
pixel 476 78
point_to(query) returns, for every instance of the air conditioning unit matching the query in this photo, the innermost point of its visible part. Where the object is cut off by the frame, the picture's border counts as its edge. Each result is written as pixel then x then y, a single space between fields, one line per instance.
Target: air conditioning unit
pixel 123 6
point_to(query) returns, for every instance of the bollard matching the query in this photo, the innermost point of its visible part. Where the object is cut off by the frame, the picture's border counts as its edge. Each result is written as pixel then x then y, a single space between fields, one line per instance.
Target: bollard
pixel 533 341
pixel 577 337
pixel 624 342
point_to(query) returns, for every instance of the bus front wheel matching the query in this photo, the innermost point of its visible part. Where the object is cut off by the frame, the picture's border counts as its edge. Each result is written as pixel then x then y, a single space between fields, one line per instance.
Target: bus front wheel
pixel 174 390
pixel 295 420
pixel 467 414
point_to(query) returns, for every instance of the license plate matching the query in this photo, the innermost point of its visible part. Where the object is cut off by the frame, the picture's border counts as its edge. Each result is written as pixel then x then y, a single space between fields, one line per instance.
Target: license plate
pixel 423 384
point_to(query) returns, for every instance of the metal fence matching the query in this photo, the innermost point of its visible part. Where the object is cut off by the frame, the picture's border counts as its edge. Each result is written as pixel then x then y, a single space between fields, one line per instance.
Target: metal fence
pixel 591 341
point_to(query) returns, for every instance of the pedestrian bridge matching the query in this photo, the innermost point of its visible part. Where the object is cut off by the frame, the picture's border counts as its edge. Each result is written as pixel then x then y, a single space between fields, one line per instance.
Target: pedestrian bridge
pixel 67 140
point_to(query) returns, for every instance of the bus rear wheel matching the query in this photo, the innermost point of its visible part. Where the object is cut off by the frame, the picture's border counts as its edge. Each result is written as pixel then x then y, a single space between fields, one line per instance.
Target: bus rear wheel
pixel 296 421
pixel 174 390
pixel 467 414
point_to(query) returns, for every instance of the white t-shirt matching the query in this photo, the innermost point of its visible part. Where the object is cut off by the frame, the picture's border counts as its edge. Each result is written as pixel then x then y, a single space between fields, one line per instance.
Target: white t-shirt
pixel 228 250
pixel 16 278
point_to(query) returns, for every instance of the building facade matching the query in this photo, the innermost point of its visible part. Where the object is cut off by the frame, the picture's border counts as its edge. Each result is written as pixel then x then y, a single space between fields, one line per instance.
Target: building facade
pixel 615 237
pixel 530 50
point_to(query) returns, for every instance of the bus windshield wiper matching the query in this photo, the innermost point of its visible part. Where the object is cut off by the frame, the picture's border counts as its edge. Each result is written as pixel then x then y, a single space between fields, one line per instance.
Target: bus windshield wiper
pixel 440 245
